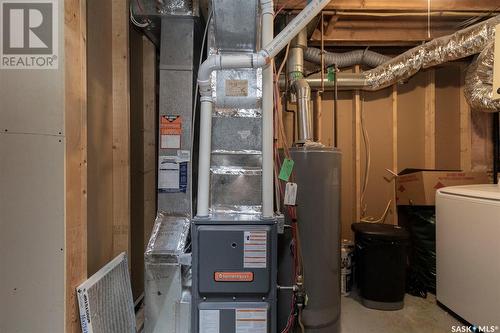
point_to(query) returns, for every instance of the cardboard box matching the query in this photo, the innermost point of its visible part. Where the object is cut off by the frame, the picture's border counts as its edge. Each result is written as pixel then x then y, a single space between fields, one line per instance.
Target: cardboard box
pixel 418 187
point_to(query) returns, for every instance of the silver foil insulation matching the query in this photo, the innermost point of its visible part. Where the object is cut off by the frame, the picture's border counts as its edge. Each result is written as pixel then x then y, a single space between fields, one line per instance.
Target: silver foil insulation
pixel 479 82
pixel 461 44
pixel 236 165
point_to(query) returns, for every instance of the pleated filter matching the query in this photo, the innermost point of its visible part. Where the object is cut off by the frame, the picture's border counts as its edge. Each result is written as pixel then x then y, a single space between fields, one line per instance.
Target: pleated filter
pixel 106 301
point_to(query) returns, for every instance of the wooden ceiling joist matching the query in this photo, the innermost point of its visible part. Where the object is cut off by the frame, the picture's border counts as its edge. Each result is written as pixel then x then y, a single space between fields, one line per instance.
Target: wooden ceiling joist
pixel 363 30
pixel 400 5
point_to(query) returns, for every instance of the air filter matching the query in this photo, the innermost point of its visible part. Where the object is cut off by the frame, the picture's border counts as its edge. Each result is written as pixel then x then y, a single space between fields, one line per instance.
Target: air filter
pixel 106 302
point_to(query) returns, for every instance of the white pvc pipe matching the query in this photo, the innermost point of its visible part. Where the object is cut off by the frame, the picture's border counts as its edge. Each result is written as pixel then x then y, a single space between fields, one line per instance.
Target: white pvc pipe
pixel 294 27
pixel 267 8
pixel 255 60
pixel 204 158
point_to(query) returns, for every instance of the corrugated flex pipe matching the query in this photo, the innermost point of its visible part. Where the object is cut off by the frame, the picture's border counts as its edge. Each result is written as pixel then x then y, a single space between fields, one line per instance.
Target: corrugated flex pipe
pixel 479 82
pixel 461 44
pixel 347 59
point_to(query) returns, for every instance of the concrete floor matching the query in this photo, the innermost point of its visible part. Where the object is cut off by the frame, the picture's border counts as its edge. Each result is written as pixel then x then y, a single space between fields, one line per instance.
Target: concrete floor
pixel 419 315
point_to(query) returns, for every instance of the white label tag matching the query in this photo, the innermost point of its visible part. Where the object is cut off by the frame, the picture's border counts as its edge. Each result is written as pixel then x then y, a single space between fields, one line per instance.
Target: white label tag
pixel 255 250
pixel 170 141
pixel 168 173
pixel 236 88
pixel 290 194
pixel 251 321
pixel 183 155
pixel 209 321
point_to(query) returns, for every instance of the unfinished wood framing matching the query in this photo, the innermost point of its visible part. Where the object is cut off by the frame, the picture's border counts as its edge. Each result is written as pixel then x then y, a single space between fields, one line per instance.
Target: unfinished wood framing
pixel 76 156
pixel 143 152
pixel 407 123
pixel 318 115
pixel 149 139
pixel 392 178
pixel 108 132
pixel 121 127
pixel 430 120
pixel 400 5
pixel 362 29
pixel 465 126
pixel 357 151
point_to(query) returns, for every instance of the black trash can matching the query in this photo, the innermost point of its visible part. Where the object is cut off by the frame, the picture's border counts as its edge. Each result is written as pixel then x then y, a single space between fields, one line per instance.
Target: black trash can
pixel 380 259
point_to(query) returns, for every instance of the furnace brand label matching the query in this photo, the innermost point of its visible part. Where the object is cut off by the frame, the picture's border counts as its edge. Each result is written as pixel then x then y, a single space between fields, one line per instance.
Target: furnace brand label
pixel 255 250
pixel 251 321
pixel 233 277
pixel 29 34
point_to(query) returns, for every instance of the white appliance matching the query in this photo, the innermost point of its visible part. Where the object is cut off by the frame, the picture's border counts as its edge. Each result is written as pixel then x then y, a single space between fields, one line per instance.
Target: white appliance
pixel 468 252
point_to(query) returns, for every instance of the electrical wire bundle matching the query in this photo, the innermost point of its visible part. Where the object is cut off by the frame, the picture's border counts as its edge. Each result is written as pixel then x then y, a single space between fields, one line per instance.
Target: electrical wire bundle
pixel 291 211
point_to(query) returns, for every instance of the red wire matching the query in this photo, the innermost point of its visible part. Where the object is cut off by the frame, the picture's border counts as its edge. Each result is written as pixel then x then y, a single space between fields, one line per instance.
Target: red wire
pixel 291 211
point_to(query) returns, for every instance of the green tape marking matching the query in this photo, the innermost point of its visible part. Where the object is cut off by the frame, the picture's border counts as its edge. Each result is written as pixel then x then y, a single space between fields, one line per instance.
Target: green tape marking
pixel 331 74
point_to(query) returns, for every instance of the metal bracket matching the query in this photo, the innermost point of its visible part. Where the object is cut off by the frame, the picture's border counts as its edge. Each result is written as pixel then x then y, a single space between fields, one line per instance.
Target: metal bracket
pixel 281 223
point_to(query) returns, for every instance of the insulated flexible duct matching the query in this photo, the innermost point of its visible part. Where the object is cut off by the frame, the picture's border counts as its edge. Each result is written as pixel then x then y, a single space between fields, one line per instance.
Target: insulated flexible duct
pixel 347 59
pixel 479 82
pixel 462 44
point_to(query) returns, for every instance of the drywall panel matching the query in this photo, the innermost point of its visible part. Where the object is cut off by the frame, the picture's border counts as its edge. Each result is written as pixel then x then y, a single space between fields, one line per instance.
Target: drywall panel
pixel 411 122
pixel 448 118
pixel 31 233
pixel 31 100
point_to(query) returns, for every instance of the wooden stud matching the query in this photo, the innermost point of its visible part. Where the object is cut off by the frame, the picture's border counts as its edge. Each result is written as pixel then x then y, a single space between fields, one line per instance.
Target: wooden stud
pixel 121 127
pixel 318 116
pixel 149 141
pixel 75 31
pixel 395 149
pixel 430 120
pixel 357 150
pixel 465 126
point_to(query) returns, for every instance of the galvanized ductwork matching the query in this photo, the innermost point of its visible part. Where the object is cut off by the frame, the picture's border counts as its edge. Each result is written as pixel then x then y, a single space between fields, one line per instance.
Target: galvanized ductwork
pixel 245 61
pixel 300 88
pixel 304 111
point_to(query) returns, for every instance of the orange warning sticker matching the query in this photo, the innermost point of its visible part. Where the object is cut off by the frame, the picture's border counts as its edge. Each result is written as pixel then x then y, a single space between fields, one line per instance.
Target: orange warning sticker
pixel 233 276
pixel 170 132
